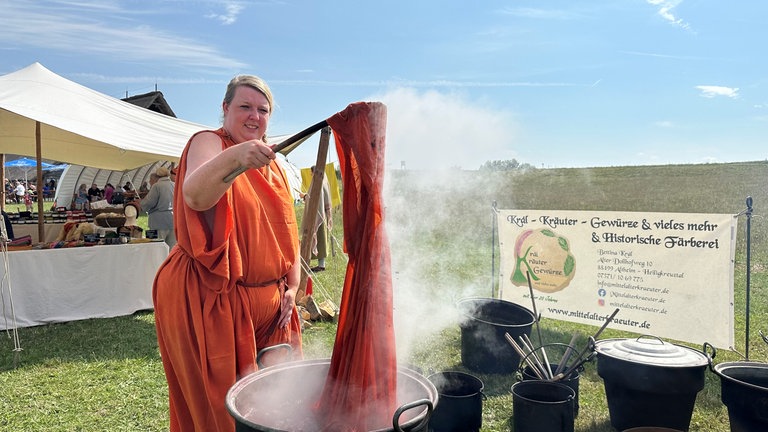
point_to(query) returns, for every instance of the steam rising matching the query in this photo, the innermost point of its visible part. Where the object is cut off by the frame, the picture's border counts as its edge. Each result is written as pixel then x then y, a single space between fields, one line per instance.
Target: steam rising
pixel 434 130
pixel 433 218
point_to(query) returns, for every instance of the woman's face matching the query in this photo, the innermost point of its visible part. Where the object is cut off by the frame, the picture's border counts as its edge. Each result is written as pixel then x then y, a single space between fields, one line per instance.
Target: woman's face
pixel 247 116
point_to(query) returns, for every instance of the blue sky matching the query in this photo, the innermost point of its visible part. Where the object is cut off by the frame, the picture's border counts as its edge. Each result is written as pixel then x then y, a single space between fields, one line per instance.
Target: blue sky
pixel 562 83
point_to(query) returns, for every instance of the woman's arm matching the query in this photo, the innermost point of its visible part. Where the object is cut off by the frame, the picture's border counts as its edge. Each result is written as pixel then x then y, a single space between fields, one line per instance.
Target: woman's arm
pixel 207 165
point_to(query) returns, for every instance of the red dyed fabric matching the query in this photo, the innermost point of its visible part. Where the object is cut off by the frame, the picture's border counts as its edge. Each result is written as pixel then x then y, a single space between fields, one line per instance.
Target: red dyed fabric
pixel 360 390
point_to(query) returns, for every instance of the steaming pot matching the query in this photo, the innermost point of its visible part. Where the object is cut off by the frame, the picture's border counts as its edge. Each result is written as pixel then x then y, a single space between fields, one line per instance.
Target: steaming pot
pixel 257 405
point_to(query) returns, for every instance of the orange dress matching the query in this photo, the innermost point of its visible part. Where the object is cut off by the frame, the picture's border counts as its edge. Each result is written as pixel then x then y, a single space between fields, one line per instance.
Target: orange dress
pixel 216 297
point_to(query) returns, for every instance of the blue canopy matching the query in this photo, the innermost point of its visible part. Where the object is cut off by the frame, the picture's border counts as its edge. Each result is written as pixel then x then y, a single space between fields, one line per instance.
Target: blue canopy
pixel 27 163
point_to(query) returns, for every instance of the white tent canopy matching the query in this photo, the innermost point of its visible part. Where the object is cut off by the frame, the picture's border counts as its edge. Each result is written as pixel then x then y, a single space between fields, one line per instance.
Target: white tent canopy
pixel 82 126
pixel 85 128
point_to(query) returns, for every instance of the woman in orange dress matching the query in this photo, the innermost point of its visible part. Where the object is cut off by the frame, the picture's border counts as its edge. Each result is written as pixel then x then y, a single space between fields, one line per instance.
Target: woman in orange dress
pixel 228 287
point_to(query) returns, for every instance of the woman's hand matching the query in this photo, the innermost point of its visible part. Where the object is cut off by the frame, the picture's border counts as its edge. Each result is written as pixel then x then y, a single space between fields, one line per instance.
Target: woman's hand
pixel 287 305
pixel 255 153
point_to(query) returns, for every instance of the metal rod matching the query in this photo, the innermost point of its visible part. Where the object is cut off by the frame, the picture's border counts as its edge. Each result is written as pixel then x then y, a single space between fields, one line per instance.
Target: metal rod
pixel 584 351
pixel 749 259
pixel 287 142
pixel 493 248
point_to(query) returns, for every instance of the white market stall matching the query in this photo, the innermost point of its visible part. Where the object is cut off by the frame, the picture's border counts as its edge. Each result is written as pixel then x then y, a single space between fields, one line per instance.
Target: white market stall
pixel 46 116
pixel 68 284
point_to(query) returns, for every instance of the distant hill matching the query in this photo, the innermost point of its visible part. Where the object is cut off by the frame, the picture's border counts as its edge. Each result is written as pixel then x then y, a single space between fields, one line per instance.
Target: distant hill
pixel 464 198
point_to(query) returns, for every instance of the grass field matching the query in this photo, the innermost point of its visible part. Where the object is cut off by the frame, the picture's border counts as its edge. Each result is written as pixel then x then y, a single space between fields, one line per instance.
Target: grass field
pixel 94 375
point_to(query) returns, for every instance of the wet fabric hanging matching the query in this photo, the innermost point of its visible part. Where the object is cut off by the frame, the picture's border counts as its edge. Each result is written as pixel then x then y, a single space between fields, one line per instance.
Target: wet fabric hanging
pixel 360 390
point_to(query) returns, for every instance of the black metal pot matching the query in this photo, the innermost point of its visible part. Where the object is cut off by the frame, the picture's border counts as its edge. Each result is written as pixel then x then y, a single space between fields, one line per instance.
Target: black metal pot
pixel 280 399
pixel 744 391
pixel 460 402
pixel 649 382
pixel 484 348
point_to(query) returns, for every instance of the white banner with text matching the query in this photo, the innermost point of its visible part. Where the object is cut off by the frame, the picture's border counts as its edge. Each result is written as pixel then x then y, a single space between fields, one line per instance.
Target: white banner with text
pixel 669 274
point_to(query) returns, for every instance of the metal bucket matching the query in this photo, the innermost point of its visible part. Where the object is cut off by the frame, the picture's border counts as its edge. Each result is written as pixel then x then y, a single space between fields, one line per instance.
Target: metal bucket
pixel 280 398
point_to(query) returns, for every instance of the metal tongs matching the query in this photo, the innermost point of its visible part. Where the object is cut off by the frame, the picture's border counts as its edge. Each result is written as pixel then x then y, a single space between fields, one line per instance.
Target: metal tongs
pixel 762 335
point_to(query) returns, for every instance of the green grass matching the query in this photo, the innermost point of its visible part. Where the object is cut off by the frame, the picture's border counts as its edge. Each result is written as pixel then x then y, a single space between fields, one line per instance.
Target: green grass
pixel 102 374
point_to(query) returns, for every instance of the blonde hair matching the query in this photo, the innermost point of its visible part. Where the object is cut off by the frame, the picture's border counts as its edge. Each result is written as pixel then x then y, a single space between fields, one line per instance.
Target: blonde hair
pixel 252 81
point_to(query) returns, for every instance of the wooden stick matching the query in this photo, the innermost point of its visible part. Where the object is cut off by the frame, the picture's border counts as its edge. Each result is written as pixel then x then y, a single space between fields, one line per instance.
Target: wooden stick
pixel 538 325
pixel 567 355
pixel 288 141
pixel 526 342
pixel 522 355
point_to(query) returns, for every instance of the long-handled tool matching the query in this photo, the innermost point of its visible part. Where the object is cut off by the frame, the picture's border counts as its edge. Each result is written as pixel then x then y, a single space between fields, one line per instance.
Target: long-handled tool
pixel 581 359
pixel 306 133
pixel 538 325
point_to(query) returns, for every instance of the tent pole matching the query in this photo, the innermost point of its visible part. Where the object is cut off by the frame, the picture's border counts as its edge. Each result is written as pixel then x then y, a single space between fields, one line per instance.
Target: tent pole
pixel 311 207
pixel 39 154
pixel 2 169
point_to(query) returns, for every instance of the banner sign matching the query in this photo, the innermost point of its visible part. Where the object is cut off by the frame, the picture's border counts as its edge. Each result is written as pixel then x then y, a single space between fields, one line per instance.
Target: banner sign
pixel 669 274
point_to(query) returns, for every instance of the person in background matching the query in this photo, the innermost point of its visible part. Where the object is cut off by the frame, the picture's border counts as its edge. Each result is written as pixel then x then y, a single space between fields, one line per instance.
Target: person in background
pixel 144 188
pixel 28 201
pixel 323 226
pixel 94 193
pixel 108 191
pixel 228 288
pixel 8 226
pixel 19 190
pixel 159 206
pixel 81 197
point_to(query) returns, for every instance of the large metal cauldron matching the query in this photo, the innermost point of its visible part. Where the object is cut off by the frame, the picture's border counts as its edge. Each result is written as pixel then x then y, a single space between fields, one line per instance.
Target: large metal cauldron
pixel 280 398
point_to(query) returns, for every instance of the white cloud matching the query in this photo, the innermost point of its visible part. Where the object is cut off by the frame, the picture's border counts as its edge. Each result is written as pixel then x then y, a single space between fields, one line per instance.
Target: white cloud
pixel 108 32
pixel 664 124
pixel 709 91
pixel 435 130
pixel 665 10
pixel 538 13
pixel 232 8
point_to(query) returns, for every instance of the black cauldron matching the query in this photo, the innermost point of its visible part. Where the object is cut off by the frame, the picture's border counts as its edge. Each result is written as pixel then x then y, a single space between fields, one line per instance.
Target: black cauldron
pixel 649 382
pixel 744 391
pixel 280 398
pixel 460 402
pixel 484 348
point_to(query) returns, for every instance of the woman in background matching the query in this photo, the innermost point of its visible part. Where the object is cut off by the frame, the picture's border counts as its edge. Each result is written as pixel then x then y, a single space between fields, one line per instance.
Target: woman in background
pixel 159 206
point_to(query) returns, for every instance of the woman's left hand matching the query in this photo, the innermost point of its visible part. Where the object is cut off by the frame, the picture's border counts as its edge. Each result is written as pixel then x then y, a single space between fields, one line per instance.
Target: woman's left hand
pixel 287 305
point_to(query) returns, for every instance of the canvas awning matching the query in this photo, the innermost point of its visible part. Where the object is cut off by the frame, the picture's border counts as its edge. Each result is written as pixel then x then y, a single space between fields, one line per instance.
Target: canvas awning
pixel 82 126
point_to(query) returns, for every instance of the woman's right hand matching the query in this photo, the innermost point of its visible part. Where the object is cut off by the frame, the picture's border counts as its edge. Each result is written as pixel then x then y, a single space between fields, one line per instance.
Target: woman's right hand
pixel 255 154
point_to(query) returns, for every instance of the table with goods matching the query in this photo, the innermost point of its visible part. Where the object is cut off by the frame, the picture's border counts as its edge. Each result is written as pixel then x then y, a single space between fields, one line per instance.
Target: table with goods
pixel 97 267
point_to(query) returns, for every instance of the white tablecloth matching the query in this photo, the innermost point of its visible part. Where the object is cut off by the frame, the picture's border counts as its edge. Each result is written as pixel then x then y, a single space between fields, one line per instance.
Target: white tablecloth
pixel 59 285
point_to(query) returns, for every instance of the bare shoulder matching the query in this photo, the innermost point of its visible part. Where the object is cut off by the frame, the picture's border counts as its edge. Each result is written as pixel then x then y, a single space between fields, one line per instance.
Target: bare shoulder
pixel 206 138
pixel 205 143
